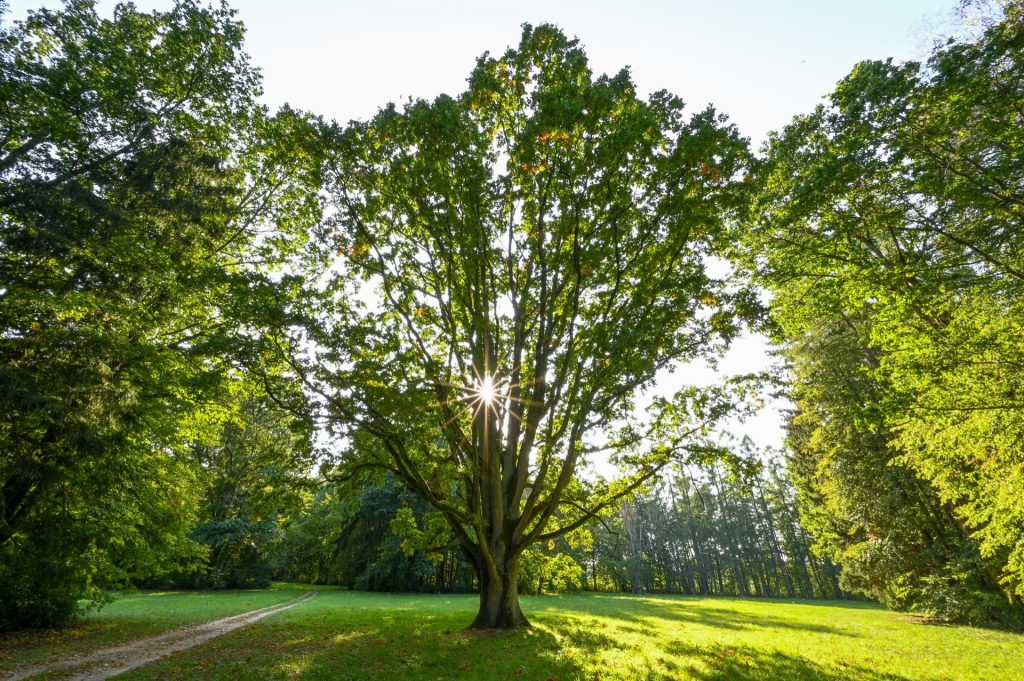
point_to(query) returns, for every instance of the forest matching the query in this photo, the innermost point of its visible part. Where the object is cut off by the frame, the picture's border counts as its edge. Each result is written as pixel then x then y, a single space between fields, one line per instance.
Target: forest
pixel 418 352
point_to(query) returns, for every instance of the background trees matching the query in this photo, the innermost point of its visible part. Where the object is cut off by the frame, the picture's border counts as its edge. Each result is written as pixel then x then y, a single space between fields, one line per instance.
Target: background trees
pixel 362 537
pixel 704 531
pixel 708 531
pixel 256 477
pixel 889 230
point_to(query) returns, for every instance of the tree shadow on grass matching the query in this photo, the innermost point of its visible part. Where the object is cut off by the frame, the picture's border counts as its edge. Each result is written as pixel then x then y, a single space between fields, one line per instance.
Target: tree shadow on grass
pixel 451 655
pixel 638 611
pixel 554 650
pixel 723 663
pixel 411 649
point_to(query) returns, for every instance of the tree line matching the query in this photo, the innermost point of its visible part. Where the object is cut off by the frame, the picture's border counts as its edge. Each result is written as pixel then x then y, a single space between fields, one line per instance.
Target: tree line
pixel 708 532
pixel 693 532
pixel 888 230
pixel 702 532
pixel 238 344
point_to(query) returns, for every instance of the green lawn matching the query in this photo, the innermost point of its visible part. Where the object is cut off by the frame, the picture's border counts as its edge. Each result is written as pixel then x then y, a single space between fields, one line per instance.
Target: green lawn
pixel 134 616
pixel 345 636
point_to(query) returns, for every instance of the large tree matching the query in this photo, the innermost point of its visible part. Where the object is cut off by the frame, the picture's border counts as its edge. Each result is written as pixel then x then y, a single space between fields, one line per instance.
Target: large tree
pixel 135 170
pixel 890 230
pixel 504 271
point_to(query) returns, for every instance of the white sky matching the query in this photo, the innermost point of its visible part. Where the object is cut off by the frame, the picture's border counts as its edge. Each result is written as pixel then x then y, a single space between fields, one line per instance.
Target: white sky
pixel 760 61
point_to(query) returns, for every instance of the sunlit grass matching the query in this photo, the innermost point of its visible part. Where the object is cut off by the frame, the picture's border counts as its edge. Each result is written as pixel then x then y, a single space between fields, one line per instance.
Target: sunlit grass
pixel 344 635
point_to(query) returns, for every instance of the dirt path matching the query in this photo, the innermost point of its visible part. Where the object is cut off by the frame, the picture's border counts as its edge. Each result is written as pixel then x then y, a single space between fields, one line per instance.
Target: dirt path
pixel 108 662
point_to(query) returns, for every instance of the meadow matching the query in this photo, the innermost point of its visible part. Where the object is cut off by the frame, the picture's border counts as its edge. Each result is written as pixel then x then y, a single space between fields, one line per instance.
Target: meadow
pixel 344 635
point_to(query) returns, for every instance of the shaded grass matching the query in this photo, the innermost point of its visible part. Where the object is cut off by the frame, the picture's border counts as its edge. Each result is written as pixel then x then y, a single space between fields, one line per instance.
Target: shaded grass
pixel 134 616
pixel 356 636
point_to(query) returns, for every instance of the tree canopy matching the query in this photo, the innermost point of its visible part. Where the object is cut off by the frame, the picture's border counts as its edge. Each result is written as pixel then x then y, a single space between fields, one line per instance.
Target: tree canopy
pixel 502 272
pixel 136 170
pixel 889 229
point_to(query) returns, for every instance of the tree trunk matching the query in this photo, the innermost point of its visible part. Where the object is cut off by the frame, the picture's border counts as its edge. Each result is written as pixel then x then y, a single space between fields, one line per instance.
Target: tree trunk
pixel 693 529
pixel 632 524
pixel 499 599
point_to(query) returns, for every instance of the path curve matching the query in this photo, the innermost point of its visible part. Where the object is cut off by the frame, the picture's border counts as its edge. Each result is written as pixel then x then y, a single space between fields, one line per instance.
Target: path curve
pixel 108 662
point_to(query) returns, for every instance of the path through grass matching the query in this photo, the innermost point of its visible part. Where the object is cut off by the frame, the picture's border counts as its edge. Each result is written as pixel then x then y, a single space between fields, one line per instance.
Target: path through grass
pixel 133 616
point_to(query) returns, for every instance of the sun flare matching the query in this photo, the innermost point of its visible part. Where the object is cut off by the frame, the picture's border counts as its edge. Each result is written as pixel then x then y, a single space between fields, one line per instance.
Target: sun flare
pixel 486 390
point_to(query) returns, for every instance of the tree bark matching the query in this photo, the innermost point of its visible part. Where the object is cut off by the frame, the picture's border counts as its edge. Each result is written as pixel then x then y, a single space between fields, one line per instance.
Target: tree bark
pixel 499 599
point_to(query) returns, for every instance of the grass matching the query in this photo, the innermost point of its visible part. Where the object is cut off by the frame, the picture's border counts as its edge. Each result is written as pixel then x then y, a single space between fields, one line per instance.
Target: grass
pixel 134 616
pixel 348 636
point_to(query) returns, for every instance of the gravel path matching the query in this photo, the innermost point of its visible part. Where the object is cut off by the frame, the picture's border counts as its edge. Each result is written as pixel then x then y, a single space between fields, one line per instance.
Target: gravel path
pixel 108 662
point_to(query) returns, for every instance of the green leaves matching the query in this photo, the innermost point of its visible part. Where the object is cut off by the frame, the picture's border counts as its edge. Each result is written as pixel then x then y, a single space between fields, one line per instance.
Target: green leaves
pixel 888 229
pixel 136 171
pixel 546 228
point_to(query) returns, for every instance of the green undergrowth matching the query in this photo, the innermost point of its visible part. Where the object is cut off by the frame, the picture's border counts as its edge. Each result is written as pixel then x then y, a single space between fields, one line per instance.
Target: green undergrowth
pixel 134 616
pixel 354 636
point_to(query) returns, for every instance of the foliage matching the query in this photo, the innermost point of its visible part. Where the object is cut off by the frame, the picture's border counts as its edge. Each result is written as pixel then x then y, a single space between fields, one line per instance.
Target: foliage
pixel 256 476
pixel 894 538
pixel 542 236
pixel 553 567
pixel 135 168
pixel 889 229
pixel 379 537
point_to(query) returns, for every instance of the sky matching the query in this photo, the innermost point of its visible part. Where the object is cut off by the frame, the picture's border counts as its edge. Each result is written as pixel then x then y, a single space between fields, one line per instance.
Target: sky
pixel 759 61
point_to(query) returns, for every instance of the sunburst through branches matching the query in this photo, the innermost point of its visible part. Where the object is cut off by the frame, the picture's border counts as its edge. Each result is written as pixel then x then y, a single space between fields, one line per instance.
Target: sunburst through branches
pixel 485 391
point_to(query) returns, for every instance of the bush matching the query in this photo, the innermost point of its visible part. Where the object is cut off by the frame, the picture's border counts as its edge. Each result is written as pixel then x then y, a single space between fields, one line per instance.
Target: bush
pixel 43 586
